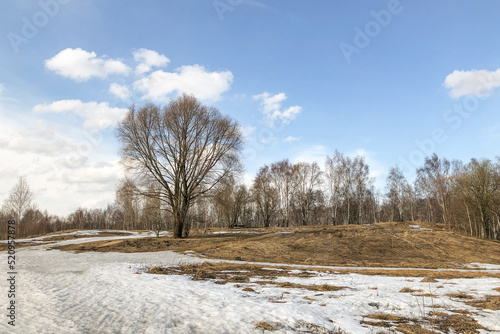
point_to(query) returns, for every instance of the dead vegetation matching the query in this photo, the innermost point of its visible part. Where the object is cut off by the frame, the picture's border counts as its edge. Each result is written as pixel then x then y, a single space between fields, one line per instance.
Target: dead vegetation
pixel 488 302
pixel 78 236
pixel 266 326
pixel 431 323
pixel 223 273
pixel 378 245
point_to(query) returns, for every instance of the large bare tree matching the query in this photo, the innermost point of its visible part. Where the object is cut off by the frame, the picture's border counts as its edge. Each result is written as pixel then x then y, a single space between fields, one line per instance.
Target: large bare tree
pixel 186 147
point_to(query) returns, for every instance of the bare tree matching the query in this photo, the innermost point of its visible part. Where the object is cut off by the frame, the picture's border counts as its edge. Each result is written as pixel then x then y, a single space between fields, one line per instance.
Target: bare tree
pixel 186 147
pixel 477 188
pixel 265 196
pixel 434 178
pixel 20 199
pixel 230 200
pixel 334 178
pixel 129 203
pixel 307 179
pixel 281 176
pixel 396 189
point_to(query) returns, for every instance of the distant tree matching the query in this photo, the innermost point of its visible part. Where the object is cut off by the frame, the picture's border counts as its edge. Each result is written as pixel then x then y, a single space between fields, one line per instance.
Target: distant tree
pixel 396 186
pixel 152 212
pixel 281 178
pixel 185 147
pixel 307 179
pixel 265 196
pixel 477 188
pixel 20 200
pixel 350 189
pixel 434 180
pixel 230 199
pixel 129 203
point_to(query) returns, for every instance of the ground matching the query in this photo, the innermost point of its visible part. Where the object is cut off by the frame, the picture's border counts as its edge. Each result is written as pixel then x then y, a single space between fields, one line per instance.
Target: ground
pixel 146 290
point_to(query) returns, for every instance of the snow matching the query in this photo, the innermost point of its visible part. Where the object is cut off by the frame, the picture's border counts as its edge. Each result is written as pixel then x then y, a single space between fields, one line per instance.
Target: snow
pixel 418 227
pixel 236 232
pixel 485 266
pixel 66 292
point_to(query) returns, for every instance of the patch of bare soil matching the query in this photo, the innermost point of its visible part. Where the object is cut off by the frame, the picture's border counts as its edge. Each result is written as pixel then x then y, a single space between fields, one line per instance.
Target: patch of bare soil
pixel 379 245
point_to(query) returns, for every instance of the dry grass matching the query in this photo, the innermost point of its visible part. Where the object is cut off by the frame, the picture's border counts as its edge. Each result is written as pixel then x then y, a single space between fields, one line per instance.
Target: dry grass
pixel 429 280
pixel 436 321
pixel 223 273
pixel 78 236
pixel 420 273
pixel 409 290
pixel 378 245
pixel 488 302
pixel 266 326
pixel 53 233
pixel 4 247
pixel 459 295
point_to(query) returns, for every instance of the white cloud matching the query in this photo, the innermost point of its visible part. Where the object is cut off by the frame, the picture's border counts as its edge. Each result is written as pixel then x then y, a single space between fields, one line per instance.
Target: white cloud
pixel 81 65
pixel 477 82
pixel 188 79
pixel 42 138
pixel 97 115
pixel 120 91
pixel 1 88
pixel 314 153
pixel 247 131
pixel 272 109
pixel 148 59
pixel 291 139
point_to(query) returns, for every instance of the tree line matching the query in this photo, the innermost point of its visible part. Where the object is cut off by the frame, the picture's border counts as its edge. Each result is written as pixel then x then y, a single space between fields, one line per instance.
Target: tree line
pixel 466 197
pixel 183 169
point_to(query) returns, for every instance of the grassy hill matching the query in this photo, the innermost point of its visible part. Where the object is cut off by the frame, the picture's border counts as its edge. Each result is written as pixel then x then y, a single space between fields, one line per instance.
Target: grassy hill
pixel 402 245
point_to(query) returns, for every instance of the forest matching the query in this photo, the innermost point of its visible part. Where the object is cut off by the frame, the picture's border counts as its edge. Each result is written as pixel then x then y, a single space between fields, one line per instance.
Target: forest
pixel 464 196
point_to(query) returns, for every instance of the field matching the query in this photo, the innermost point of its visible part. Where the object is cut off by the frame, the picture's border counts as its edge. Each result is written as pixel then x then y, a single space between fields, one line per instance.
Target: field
pixel 383 278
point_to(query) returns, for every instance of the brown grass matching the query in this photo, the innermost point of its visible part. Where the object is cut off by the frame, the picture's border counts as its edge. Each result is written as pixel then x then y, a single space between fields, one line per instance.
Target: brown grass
pixel 459 295
pixel 429 280
pixel 420 273
pixel 266 326
pixel 4 247
pixel 409 290
pixel 53 233
pixel 383 244
pixel 78 236
pixel 437 321
pixel 488 302
pixel 224 273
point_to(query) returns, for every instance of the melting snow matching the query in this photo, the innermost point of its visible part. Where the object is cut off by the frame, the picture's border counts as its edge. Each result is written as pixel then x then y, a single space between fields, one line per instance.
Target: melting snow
pixel 65 292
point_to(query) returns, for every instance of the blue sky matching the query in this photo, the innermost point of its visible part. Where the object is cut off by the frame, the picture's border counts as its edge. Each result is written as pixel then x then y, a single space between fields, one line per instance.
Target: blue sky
pixel 390 80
